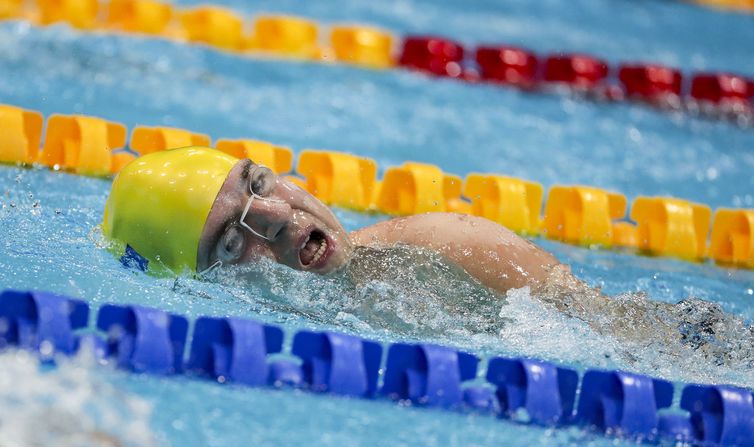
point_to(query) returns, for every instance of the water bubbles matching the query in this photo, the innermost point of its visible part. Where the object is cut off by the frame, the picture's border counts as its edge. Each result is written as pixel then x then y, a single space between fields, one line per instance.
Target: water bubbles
pixel 46 349
pixel 634 135
pixel 73 406
pixel 743 201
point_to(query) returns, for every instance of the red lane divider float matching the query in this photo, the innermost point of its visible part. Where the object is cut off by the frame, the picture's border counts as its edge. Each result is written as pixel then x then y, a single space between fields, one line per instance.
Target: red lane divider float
pixel 655 84
pixel 434 55
pixel 715 95
pixel 577 70
pixel 508 65
pixel 722 93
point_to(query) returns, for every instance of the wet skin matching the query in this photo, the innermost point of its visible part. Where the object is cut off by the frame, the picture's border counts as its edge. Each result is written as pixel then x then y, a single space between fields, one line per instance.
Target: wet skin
pixel 287 221
pixel 301 232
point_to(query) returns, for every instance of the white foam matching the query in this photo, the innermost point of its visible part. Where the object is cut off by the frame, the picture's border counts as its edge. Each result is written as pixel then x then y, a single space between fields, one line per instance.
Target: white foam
pixel 69 405
pixel 536 330
pixel 629 339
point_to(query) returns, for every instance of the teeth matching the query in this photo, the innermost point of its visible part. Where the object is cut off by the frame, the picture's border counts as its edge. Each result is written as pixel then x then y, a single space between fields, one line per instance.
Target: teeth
pixel 320 251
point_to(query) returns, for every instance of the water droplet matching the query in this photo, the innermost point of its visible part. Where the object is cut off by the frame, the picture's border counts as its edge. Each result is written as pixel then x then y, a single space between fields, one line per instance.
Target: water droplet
pixel 46 349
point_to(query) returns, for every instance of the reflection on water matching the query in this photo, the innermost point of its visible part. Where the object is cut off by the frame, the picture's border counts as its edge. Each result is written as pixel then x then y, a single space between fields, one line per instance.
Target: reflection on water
pixel 407 292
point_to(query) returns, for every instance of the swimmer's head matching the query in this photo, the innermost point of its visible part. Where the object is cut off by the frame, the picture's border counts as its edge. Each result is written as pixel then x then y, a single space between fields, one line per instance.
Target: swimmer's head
pixel 192 208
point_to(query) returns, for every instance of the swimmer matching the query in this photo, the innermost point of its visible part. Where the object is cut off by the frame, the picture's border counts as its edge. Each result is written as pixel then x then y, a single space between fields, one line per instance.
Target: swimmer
pixel 197 209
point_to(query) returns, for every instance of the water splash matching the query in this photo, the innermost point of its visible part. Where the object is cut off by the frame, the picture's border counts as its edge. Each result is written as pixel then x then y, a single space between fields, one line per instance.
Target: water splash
pixel 69 405
pixel 405 292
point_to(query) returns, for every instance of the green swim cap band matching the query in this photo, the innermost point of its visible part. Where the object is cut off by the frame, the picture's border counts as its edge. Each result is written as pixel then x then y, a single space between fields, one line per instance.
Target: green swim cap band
pixel 159 203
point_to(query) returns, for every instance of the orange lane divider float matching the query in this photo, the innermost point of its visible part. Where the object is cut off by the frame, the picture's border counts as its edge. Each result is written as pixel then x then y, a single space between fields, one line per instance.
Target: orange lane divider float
pixel 20 134
pixel 215 26
pixel 509 201
pixel 119 159
pixel 139 16
pixel 286 36
pixel 575 214
pixel 81 14
pixel 10 9
pixel 81 144
pixel 360 45
pixel 419 188
pixel 671 227
pixel 732 239
pixel 582 214
pixel 145 140
pixel 736 5
pixel 338 179
pixel 277 158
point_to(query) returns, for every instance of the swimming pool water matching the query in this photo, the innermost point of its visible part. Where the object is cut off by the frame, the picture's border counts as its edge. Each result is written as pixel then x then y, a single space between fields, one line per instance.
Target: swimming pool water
pixel 49 219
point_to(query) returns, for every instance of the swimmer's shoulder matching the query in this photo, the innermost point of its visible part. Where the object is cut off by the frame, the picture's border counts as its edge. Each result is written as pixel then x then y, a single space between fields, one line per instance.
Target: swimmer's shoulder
pixel 419 229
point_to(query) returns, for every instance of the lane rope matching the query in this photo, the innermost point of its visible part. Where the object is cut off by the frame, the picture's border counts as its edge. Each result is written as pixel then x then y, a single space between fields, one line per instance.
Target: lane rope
pixel 575 214
pixel 237 350
pixel 713 94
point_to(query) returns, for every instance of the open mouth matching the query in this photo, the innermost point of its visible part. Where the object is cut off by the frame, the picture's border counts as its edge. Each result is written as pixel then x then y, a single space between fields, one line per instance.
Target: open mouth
pixel 313 249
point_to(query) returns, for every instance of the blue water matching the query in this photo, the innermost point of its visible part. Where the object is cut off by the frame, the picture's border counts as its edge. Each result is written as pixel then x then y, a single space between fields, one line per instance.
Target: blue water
pixel 50 219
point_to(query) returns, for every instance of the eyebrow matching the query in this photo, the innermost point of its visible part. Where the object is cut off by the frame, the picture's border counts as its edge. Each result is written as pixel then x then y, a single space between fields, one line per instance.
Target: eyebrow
pixel 246 168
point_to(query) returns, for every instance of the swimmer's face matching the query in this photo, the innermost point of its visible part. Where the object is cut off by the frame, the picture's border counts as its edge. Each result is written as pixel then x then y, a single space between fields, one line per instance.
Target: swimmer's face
pixel 292 226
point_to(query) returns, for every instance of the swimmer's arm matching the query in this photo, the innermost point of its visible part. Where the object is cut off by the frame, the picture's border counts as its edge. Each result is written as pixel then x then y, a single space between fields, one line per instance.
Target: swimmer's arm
pixel 494 255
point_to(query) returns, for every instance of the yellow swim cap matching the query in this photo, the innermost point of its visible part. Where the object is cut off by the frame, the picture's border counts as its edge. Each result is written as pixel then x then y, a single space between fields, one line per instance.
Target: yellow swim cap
pixel 159 203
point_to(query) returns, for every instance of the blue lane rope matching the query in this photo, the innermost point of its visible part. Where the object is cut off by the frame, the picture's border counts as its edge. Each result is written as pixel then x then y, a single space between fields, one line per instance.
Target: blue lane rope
pixel 143 339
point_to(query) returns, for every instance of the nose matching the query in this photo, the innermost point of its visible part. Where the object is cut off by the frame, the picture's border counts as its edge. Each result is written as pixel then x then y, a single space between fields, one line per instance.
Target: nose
pixel 268 217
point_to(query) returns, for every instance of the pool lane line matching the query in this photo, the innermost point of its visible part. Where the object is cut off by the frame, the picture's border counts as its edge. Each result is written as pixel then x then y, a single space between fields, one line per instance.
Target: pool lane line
pixel 713 94
pixel 245 352
pixel 574 214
